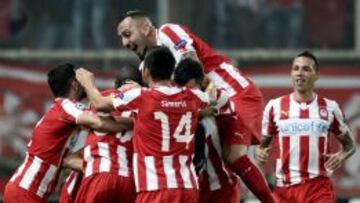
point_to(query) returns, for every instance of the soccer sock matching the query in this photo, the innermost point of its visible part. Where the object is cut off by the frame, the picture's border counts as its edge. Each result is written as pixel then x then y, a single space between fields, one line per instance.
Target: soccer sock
pixel 253 179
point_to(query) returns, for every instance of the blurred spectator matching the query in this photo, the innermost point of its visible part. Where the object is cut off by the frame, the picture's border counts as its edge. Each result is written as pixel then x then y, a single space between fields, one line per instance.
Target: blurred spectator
pixel 54 32
pixel 284 22
pixel 325 25
pixel 93 12
pixel 242 23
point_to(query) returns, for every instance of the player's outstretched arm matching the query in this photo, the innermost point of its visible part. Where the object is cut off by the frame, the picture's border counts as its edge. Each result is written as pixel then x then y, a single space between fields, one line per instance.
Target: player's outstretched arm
pixel 74 161
pixel 348 148
pixel 87 80
pixel 103 124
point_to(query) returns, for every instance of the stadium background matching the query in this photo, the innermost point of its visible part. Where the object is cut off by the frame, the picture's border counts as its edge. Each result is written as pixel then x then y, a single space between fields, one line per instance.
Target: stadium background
pixel 261 36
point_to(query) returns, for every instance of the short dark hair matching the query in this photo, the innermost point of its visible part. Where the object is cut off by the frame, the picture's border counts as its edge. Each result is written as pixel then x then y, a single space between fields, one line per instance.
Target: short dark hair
pixel 310 55
pixel 135 14
pixel 60 79
pixel 187 70
pixel 126 73
pixel 160 62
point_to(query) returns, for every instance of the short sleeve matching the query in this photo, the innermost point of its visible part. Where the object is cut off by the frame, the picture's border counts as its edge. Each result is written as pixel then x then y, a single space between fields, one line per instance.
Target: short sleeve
pixel 129 100
pixel 338 126
pixel 72 110
pixel 268 124
pixel 177 39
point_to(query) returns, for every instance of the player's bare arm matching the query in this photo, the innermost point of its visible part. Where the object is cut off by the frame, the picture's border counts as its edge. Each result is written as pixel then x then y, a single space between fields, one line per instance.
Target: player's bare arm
pixel 74 161
pixel 103 124
pixel 348 148
pixel 87 80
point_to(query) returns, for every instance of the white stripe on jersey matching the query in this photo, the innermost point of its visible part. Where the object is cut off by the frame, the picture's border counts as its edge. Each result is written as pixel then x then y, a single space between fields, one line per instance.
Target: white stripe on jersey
pixel 213 177
pixel 231 70
pixel 105 157
pixel 201 95
pixel 152 182
pixel 49 176
pixel 294 162
pixel 220 83
pixel 126 97
pixel 71 186
pixel 21 168
pixel 30 173
pixel 136 170
pixel 70 108
pixel 169 172
pixel 89 161
pixel 184 171
pixel 122 161
pixel 193 173
pixel 168 90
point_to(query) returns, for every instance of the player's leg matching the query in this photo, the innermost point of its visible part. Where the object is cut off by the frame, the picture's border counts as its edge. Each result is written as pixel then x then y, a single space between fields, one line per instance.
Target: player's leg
pixel 244 132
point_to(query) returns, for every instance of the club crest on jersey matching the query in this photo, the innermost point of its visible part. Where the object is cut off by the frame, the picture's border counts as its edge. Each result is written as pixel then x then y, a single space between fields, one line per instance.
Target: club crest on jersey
pixel 180 44
pixel 323 113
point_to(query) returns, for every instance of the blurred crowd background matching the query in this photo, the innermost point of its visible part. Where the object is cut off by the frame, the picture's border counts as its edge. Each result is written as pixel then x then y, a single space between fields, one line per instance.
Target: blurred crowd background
pixel 261 36
pixel 249 24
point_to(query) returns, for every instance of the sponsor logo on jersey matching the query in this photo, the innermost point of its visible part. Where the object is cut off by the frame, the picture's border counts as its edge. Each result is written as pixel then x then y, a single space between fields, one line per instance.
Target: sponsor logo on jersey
pixel 180 44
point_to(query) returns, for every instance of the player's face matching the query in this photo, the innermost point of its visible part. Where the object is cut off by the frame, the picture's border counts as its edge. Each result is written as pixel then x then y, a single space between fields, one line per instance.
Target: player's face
pixel 303 74
pixel 133 36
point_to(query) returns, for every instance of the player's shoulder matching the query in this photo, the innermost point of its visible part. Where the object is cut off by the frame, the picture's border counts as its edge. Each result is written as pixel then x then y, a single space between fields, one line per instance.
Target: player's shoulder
pixel 199 94
pixel 330 103
pixel 171 26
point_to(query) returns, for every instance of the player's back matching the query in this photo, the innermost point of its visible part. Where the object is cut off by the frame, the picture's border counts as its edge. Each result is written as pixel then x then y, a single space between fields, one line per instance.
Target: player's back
pixel 109 152
pixel 163 140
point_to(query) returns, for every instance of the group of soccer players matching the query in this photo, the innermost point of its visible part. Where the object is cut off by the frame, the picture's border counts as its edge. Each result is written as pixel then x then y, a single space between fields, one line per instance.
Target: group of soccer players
pixel 185 136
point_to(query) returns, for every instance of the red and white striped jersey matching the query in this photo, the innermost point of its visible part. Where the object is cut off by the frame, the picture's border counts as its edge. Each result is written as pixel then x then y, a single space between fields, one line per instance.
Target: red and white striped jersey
pixel 109 152
pixel 40 170
pixel 163 135
pixel 70 187
pixel 302 129
pixel 180 40
pixel 216 171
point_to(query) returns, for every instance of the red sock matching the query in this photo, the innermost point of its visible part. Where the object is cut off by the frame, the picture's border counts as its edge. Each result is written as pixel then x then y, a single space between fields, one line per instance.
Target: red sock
pixel 253 179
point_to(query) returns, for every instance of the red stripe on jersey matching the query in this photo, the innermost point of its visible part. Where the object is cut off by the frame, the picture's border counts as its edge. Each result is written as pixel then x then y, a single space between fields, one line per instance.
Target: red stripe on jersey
pixel 272 130
pixel 321 156
pixel 230 79
pixel 304 157
pixel 192 178
pixel 95 155
pixel 304 113
pixel 39 176
pixel 178 176
pixel 171 34
pixel 285 158
pixel 114 165
pixel 162 178
pixel 28 163
pixel 218 164
pixel 284 107
pixel 141 174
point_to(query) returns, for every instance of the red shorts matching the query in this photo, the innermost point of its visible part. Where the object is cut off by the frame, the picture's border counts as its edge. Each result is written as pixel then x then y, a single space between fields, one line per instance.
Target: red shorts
pixel 15 194
pixel 170 195
pixel 249 106
pixel 106 187
pixel 229 193
pixel 319 190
